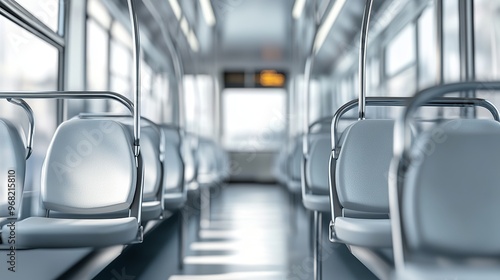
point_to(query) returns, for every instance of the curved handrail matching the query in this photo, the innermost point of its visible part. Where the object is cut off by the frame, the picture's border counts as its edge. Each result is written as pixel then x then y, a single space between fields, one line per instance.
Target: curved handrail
pixel 402 145
pixel 16 97
pixel 69 95
pixel 319 121
pixel 388 101
pixel 403 101
pixel 31 119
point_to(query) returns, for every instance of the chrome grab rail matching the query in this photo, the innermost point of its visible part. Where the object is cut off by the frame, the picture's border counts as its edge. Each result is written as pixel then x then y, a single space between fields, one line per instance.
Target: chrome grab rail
pixel 336 210
pixel 31 119
pixel 363 42
pixel 402 145
pixel 69 95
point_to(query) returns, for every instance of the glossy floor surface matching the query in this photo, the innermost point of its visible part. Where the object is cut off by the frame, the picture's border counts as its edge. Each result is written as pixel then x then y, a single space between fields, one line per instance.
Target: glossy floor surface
pixel 250 236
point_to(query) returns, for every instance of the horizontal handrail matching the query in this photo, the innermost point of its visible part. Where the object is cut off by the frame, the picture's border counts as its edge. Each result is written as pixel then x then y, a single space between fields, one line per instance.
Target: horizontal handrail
pixel 404 101
pixel 69 95
pixel 393 101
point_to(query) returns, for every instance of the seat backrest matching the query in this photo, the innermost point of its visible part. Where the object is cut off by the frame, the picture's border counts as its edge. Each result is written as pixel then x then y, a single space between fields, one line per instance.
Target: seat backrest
pixel 222 161
pixel 362 168
pixel 295 160
pixel 150 152
pixel 317 163
pixel 151 139
pixel 173 165
pixel 207 161
pixel 188 155
pixel 451 193
pixel 280 166
pixel 12 169
pixel 90 168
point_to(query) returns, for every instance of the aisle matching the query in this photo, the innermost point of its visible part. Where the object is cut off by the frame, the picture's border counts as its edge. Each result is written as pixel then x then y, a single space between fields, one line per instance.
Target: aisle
pixel 246 238
pixel 249 238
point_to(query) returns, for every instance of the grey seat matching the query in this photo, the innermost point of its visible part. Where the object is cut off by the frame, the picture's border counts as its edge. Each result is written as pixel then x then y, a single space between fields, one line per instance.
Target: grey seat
pixel 361 182
pixel 208 173
pixel 150 151
pixel 174 191
pixel 12 168
pixel 450 201
pixel 223 164
pixel 294 167
pixel 316 193
pixel 315 188
pixel 190 163
pixel 90 169
pixel 152 155
pixel 280 167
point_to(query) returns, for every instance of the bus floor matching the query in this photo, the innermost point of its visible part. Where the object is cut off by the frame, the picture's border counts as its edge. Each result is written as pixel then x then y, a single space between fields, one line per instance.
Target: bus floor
pixel 249 237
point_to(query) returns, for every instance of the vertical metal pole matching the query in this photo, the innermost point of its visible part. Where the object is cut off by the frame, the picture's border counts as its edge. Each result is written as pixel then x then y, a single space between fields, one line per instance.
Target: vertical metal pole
pixel 137 74
pixel 176 61
pixel 318 228
pixel 438 8
pixel 417 55
pixel 363 42
pixel 204 207
pixel 63 25
pixel 438 17
pixel 308 73
pixel 467 48
pixel 182 237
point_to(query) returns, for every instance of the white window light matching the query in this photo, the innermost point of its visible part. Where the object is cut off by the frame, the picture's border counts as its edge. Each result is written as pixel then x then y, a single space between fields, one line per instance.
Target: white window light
pixel 193 42
pixel 208 12
pixel 298 8
pixel 176 8
pixel 325 28
pixel 185 26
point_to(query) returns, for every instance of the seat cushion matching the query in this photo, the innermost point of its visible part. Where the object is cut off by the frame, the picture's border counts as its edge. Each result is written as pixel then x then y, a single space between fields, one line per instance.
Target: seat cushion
pixel 40 232
pixel 364 232
pixel 314 202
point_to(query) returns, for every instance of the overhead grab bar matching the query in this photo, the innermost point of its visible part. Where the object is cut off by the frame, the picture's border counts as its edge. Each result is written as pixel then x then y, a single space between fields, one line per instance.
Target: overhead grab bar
pixel 31 120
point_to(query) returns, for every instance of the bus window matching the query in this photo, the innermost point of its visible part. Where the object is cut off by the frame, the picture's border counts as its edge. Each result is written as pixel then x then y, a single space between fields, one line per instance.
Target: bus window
pixel 29 63
pixel 253 119
pixel 47 11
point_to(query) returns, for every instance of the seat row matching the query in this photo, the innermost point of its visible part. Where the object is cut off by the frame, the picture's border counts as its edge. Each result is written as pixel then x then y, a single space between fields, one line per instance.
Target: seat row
pixel 403 198
pixel 90 173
